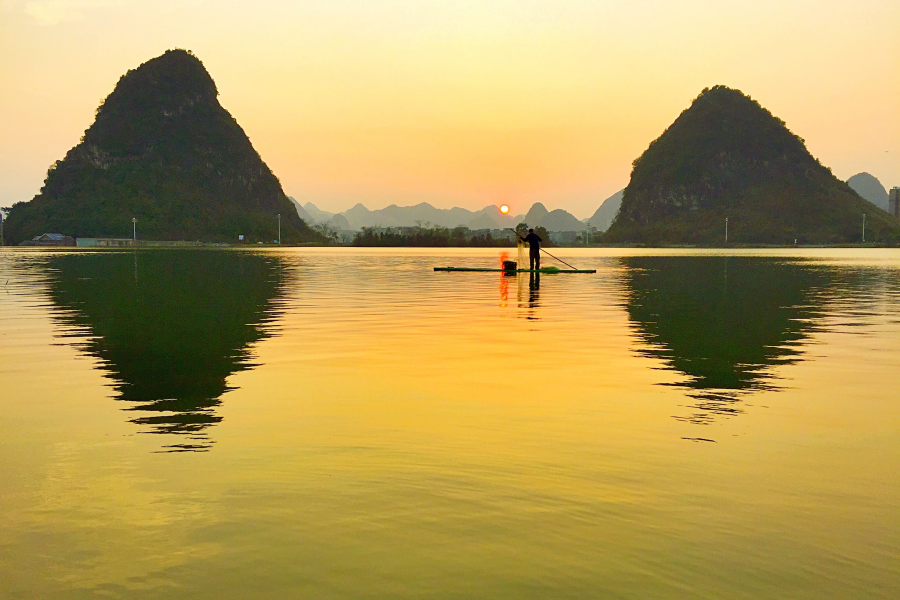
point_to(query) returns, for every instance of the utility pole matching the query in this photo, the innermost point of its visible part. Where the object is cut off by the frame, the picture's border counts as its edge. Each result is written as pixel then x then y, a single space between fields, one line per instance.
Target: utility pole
pixel 587 238
pixel 864 228
pixel 279 229
pixel 2 239
pixel 134 226
pixel 726 230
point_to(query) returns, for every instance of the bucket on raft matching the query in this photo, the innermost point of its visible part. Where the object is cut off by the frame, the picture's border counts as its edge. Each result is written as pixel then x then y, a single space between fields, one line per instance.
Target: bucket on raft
pixel 510 265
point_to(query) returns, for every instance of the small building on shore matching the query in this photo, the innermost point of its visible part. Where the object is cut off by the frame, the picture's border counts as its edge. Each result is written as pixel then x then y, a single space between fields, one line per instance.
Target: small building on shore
pixel 894 202
pixel 50 239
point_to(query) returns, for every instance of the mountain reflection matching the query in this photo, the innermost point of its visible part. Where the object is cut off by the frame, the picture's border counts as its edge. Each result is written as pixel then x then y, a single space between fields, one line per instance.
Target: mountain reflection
pixel 170 326
pixel 722 321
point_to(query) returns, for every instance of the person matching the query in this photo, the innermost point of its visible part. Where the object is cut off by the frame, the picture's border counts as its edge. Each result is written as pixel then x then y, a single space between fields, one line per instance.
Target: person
pixel 534 255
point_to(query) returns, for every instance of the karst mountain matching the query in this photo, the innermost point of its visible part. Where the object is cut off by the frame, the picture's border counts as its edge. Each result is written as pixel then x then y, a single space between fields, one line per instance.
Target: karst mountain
pixel 162 150
pixel 728 157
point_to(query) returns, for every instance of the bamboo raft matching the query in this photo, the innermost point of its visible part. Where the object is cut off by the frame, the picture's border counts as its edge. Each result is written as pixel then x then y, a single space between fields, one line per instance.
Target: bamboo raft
pixel 545 270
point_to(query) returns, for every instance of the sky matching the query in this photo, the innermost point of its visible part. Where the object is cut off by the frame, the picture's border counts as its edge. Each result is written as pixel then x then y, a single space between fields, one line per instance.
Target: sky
pixel 459 102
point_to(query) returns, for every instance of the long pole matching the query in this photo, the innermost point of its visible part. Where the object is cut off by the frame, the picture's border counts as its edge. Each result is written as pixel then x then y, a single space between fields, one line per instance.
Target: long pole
pixel 726 230
pixel 279 228
pixel 134 226
pixel 864 228
pixel 545 252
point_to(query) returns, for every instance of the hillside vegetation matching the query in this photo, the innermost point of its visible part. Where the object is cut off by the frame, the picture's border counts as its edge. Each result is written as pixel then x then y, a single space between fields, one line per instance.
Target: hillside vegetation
pixel 727 156
pixel 163 150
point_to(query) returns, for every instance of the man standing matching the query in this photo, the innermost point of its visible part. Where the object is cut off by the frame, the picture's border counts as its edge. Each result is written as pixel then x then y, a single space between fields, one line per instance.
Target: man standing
pixel 534 255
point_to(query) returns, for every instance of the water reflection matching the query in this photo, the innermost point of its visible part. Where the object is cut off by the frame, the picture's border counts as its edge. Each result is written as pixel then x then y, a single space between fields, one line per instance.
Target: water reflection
pixel 534 294
pixel 725 322
pixel 528 294
pixel 170 326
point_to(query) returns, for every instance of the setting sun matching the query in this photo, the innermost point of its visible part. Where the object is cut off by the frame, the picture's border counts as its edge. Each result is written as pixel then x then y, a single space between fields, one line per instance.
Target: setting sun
pixel 504 209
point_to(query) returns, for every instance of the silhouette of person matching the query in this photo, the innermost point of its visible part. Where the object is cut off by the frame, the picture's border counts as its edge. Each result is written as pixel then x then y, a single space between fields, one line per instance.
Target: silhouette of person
pixel 534 254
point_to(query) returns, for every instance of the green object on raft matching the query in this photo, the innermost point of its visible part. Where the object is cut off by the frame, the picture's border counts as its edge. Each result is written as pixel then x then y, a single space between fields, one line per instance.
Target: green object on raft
pixel 550 270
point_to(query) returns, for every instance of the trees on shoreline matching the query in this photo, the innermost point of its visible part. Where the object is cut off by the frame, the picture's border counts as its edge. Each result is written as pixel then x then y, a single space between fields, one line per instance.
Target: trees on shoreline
pixel 428 236
pixel 424 236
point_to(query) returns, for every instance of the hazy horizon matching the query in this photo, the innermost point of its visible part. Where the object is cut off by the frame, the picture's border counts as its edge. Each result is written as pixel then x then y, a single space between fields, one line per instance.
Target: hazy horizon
pixel 469 104
pixel 515 211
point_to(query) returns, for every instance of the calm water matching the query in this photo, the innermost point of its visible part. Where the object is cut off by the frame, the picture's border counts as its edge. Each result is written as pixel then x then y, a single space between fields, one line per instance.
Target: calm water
pixel 339 423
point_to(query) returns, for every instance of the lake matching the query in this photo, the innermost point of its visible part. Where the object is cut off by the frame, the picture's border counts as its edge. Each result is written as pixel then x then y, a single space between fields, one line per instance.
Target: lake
pixel 348 423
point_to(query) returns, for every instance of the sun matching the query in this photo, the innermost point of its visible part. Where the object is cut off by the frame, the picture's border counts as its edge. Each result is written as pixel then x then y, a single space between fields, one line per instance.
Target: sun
pixel 504 209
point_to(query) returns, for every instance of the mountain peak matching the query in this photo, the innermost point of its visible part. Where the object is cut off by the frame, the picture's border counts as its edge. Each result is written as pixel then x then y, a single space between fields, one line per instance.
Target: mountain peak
pixel 162 150
pixel 536 214
pixel 727 156
pixel 870 188
pixel 170 84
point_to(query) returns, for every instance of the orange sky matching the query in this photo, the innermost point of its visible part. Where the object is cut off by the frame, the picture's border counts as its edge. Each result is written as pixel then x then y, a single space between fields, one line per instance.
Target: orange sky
pixel 462 103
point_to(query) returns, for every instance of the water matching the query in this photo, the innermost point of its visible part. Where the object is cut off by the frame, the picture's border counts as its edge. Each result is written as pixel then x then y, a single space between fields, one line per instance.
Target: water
pixel 340 423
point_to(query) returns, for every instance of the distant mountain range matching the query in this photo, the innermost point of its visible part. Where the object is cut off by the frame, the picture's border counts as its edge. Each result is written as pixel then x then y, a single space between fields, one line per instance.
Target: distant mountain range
pixel 488 217
pixel 163 151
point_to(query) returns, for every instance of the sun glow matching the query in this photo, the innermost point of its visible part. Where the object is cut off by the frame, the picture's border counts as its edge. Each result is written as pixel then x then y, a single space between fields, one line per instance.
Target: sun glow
pixel 504 209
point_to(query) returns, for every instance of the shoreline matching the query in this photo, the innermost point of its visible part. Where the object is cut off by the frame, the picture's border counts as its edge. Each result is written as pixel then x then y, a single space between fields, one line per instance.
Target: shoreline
pixel 157 245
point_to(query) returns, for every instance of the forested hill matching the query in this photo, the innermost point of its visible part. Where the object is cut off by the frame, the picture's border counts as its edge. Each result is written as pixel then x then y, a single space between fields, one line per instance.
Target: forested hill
pixel 727 156
pixel 163 150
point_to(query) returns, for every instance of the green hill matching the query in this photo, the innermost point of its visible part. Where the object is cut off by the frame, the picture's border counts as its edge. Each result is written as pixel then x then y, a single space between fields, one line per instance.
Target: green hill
pixel 727 156
pixel 163 150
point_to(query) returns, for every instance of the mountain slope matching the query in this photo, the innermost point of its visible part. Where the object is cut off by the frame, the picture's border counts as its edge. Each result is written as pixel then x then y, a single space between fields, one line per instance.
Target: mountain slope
pixel 728 157
pixel 561 220
pixel 163 150
pixel 318 216
pixel 869 188
pixel 483 221
pixel 301 212
pixel 536 214
pixel 604 216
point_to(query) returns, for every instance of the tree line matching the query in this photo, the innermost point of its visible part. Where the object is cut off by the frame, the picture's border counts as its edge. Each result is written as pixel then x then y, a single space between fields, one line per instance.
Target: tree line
pixel 439 237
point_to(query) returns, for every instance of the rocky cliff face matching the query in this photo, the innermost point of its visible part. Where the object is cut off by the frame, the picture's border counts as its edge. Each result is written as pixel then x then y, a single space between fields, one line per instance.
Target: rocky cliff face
pixel 728 157
pixel 163 150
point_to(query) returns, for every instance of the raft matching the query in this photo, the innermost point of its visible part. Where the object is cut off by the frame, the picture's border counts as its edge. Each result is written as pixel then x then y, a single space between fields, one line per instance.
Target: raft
pixel 546 270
